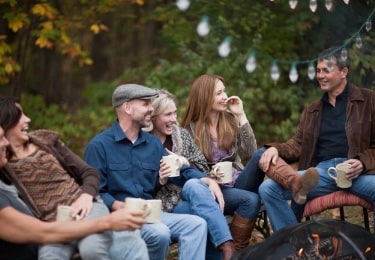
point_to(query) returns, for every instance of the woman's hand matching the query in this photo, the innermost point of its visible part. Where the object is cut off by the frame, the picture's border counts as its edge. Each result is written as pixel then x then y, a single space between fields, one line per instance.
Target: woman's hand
pixel 215 191
pixel 164 172
pixel 183 160
pixel 81 208
pixel 235 105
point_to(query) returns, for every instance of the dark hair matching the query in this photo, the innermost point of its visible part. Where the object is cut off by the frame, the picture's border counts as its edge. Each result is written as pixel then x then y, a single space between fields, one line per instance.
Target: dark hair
pixel 10 114
pixel 336 54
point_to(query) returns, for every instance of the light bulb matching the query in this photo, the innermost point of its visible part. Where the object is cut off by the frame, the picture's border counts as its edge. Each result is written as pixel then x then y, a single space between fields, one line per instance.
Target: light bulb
pixel 224 48
pixel 203 27
pixel 275 72
pixel 183 5
pixel 368 26
pixel 358 41
pixel 313 5
pixel 344 54
pixel 293 73
pixel 346 1
pixel 251 63
pixel 329 5
pixel 311 71
pixel 293 4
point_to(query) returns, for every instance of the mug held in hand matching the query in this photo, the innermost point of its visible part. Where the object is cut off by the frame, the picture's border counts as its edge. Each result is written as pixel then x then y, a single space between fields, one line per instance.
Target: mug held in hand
pixel 338 173
pixel 223 172
pixel 138 204
pixel 174 163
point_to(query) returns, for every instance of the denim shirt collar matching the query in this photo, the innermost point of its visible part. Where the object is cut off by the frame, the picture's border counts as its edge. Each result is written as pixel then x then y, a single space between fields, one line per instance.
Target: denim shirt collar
pixel 119 134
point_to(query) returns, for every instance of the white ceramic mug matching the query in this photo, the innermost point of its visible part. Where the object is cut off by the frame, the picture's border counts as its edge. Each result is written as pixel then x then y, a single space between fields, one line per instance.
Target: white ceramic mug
pixel 155 214
pixel 340 175
pixel 224 172
pixel 138 204
pixel 174 163
pixel 64 213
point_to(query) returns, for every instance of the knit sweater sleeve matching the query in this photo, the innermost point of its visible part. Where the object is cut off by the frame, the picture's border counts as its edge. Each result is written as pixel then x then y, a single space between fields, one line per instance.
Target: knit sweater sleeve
pixel 84 174
pixel 191 151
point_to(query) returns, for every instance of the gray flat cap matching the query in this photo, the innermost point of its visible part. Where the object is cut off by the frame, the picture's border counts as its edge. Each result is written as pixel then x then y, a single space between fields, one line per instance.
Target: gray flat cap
pixel 127 92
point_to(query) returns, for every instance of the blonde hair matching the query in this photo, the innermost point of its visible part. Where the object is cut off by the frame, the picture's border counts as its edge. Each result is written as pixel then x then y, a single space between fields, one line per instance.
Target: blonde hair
pixel 160 104
pixel 199 105
pixel 164 100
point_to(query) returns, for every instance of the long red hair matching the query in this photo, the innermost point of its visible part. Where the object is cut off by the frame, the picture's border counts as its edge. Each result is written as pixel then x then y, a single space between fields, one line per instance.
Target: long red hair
pixel 199 105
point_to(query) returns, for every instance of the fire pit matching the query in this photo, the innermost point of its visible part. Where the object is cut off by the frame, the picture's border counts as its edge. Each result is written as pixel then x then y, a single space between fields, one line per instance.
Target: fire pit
pixel 320 239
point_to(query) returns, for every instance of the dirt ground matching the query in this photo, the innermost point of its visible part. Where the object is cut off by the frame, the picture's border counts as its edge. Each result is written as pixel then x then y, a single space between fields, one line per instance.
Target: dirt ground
pixel 352 214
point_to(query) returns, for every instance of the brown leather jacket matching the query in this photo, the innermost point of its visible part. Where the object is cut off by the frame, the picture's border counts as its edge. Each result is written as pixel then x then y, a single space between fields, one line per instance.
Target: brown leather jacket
pixel 359 126
pixel 85 175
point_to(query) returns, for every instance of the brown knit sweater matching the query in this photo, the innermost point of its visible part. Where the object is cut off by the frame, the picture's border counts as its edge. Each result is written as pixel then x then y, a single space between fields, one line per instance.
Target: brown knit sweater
pixel 52 175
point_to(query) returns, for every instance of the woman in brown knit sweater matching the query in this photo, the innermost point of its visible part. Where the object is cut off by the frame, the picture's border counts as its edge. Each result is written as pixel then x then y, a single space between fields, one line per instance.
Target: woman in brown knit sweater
pixel 48 174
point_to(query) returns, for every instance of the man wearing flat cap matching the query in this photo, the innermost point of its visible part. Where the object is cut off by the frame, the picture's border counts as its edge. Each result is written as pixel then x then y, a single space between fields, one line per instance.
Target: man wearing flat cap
pixel 128 160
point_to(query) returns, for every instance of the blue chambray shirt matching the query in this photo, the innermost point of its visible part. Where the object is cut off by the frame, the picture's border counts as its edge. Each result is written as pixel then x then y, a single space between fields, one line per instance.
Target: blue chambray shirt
pixel 127 169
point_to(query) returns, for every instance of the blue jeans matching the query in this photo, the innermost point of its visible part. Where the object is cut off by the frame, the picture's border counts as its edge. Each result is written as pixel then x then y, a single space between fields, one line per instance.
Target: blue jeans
pixel 251 176
pixel 94 246
pixel 275 197
pixel 198 200
pixel 245 203
pixel 188 230
pixel 128 245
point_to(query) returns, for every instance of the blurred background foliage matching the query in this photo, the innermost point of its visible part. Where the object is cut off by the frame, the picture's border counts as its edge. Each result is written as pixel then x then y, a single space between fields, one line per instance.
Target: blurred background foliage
pixel 64 58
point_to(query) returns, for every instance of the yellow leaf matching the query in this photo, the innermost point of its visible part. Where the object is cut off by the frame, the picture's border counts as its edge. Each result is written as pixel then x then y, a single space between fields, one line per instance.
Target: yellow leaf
pixel 139 2
pixel 38 9
pixel 43 42
pixel 95 28
pixel 88 61
pixel 47 25
pixel 15 25
pixel 43 10
pixel 8 68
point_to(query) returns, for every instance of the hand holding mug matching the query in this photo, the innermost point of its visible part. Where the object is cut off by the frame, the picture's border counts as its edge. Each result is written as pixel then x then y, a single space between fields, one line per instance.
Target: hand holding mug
pixel 223 172
pixel 338 173
pixel 174 163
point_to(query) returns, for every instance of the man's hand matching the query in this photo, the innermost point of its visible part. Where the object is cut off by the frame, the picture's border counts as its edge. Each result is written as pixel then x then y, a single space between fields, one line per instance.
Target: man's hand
pixel 355 169
pixel 116 205
pixel 125 219
pixel 269 156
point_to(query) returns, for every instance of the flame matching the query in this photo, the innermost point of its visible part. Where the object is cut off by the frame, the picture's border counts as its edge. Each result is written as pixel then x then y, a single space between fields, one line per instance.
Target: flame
pixel 300 252
pixel 368 249
pixel 317 240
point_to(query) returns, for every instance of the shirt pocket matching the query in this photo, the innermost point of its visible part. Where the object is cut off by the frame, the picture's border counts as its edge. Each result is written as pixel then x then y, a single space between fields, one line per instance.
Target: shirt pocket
pixel 118 179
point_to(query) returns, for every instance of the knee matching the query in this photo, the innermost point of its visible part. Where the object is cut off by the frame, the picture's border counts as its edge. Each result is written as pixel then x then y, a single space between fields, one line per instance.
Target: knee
pixel 258 153
pixel 252 200
pixel 197 222
pixel 157 234
pixel 192 185
pixel 266 188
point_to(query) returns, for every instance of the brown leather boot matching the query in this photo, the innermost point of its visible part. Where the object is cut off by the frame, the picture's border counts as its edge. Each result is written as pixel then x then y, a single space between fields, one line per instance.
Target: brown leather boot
pixel 287 177
pixel 227 249
pixel 241 229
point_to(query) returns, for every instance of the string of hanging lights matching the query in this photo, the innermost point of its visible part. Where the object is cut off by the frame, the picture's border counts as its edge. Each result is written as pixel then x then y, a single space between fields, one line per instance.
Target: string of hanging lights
pixel 224 49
